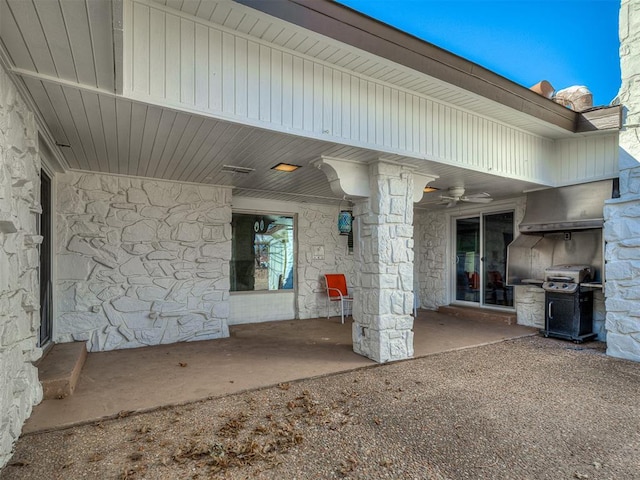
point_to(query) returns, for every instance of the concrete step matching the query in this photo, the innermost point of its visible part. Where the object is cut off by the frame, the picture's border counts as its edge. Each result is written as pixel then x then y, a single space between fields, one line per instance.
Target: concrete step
pixel 60 368
pixel 472 313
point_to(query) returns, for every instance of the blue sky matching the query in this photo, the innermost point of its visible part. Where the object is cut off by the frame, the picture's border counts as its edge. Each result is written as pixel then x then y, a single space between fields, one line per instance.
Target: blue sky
pixel 566 42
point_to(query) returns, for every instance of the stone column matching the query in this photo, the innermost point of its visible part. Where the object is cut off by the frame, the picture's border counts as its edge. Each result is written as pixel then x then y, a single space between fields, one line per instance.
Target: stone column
pixel 383 301
pixel 622 215
pixel 19 263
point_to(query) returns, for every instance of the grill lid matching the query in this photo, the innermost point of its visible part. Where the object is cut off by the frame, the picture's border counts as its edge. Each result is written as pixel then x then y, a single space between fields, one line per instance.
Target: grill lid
pixel 568 273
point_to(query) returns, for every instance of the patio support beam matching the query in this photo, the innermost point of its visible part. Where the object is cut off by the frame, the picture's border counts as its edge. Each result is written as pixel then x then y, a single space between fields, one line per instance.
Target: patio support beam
pixel 383 299
pixel 622 215
pixel 384 192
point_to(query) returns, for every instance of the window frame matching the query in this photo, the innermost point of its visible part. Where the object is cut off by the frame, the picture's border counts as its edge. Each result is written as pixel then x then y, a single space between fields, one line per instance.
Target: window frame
pixel 280 291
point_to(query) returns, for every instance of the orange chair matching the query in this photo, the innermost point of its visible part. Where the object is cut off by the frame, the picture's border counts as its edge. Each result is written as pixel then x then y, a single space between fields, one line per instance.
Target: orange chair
pixel 336 285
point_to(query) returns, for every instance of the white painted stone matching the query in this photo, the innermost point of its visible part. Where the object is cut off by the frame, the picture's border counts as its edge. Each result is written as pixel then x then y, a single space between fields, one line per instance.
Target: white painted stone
pixel 69 200
pixel 189 195
pixel 383 301
pixel 140 280
pixel 161 255
pixel 74 267
pixel 429 268
pixel 80 245
pixel 137 195
pixel 126 304
pixel 135 266
pixel 153 212
pixel 19 200
pixel 137 248
pixel 188 232
pixel 89 182
pixel 138 264
pixel 623 346
pixel 93 196
pixel 151 293
pixel 142 231
pixel 622 216
pixel 161 194
pixel 79 322
pixel 99 208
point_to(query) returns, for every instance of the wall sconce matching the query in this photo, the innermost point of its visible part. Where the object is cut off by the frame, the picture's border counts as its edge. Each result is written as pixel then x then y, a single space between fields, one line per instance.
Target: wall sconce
pixel 344 222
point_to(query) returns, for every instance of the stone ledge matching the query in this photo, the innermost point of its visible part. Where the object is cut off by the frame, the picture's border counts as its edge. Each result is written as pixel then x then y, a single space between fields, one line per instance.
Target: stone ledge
pixel 471 313
pixel 60 369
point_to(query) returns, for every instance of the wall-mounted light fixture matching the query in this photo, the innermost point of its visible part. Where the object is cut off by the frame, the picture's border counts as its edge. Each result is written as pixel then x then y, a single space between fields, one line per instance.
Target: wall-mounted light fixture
pixel 285 167
pixel 344 222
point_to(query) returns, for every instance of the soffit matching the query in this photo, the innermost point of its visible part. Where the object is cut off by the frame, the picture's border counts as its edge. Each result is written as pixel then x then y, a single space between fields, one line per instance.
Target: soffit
pixel 113 135
pixel 71 41
pixel 251 22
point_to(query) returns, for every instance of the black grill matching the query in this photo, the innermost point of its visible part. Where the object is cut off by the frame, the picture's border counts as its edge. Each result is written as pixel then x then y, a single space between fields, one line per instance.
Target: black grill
pixel 568 308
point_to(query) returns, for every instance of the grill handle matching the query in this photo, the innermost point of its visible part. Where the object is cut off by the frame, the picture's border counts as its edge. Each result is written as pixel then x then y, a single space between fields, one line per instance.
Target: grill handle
pixel 560 279
pixel 549 310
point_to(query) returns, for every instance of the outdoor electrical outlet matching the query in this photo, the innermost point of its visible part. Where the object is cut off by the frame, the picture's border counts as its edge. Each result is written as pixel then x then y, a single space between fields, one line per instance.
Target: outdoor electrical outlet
pixel 318 252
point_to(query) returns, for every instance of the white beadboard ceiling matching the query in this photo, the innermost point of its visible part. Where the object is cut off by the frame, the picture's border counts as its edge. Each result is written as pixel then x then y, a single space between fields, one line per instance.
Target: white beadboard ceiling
pixel 63 52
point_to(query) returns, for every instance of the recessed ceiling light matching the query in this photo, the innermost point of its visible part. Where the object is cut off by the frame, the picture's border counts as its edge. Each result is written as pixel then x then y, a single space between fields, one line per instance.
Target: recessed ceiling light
pixel 285 167
pixel 429 189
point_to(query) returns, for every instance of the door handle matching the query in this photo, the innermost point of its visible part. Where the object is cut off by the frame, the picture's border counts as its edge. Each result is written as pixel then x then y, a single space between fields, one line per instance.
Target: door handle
pixel 549 310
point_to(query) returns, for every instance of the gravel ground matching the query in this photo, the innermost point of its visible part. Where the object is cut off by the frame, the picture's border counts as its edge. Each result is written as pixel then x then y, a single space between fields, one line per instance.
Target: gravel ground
pixel 531 408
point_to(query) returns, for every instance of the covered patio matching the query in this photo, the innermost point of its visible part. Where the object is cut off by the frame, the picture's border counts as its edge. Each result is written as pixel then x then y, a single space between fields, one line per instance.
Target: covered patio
pixel 143 204
pixel 254 356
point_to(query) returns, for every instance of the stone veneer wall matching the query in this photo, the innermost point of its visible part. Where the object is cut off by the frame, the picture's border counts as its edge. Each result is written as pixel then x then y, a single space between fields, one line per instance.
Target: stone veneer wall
pixel 19 287
pixel 430 229
pixel 318 225
pixel 622 215
pixel 140 262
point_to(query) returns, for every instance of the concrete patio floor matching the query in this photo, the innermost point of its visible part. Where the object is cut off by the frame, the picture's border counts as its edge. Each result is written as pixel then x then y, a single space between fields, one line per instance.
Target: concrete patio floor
pixel 254 356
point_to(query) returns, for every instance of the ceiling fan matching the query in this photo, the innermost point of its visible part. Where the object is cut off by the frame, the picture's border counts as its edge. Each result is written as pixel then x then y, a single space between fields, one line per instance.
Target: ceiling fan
pixel 456 194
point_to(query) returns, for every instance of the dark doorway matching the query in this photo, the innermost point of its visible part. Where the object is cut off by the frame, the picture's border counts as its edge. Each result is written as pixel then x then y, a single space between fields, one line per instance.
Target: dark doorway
pixel 45 261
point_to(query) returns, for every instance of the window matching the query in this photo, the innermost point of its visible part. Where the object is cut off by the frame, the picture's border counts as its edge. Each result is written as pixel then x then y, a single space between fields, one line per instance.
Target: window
pixel 262 252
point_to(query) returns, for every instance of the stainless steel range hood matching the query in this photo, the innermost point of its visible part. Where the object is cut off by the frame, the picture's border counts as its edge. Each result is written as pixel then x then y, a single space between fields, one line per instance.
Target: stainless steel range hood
pixel 576 207
pixel 560 226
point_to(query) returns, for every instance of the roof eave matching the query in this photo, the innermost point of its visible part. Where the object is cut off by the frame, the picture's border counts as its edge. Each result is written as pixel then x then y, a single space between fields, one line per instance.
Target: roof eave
pixel 354 28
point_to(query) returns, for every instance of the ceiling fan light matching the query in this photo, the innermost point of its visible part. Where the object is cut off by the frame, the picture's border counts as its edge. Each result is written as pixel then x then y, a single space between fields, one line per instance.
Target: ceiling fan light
pixel 429 189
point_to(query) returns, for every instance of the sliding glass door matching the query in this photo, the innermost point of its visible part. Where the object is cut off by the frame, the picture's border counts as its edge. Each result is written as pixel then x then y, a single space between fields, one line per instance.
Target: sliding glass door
pixel 468 259
pixel 481 259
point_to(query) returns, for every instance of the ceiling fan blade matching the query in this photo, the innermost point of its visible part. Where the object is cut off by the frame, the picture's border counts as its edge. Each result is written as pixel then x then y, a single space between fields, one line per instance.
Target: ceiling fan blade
pixel 478 195
pixel 476 199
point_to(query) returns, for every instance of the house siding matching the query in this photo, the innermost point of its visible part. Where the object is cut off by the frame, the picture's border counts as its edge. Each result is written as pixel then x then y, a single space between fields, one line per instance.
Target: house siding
pixel 585 159
pixel 180 61
pixel 19 287
pixel 141 262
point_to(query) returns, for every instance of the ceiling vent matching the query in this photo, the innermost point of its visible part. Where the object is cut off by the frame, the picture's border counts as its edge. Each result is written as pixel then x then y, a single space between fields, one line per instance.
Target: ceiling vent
pixel 236 169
